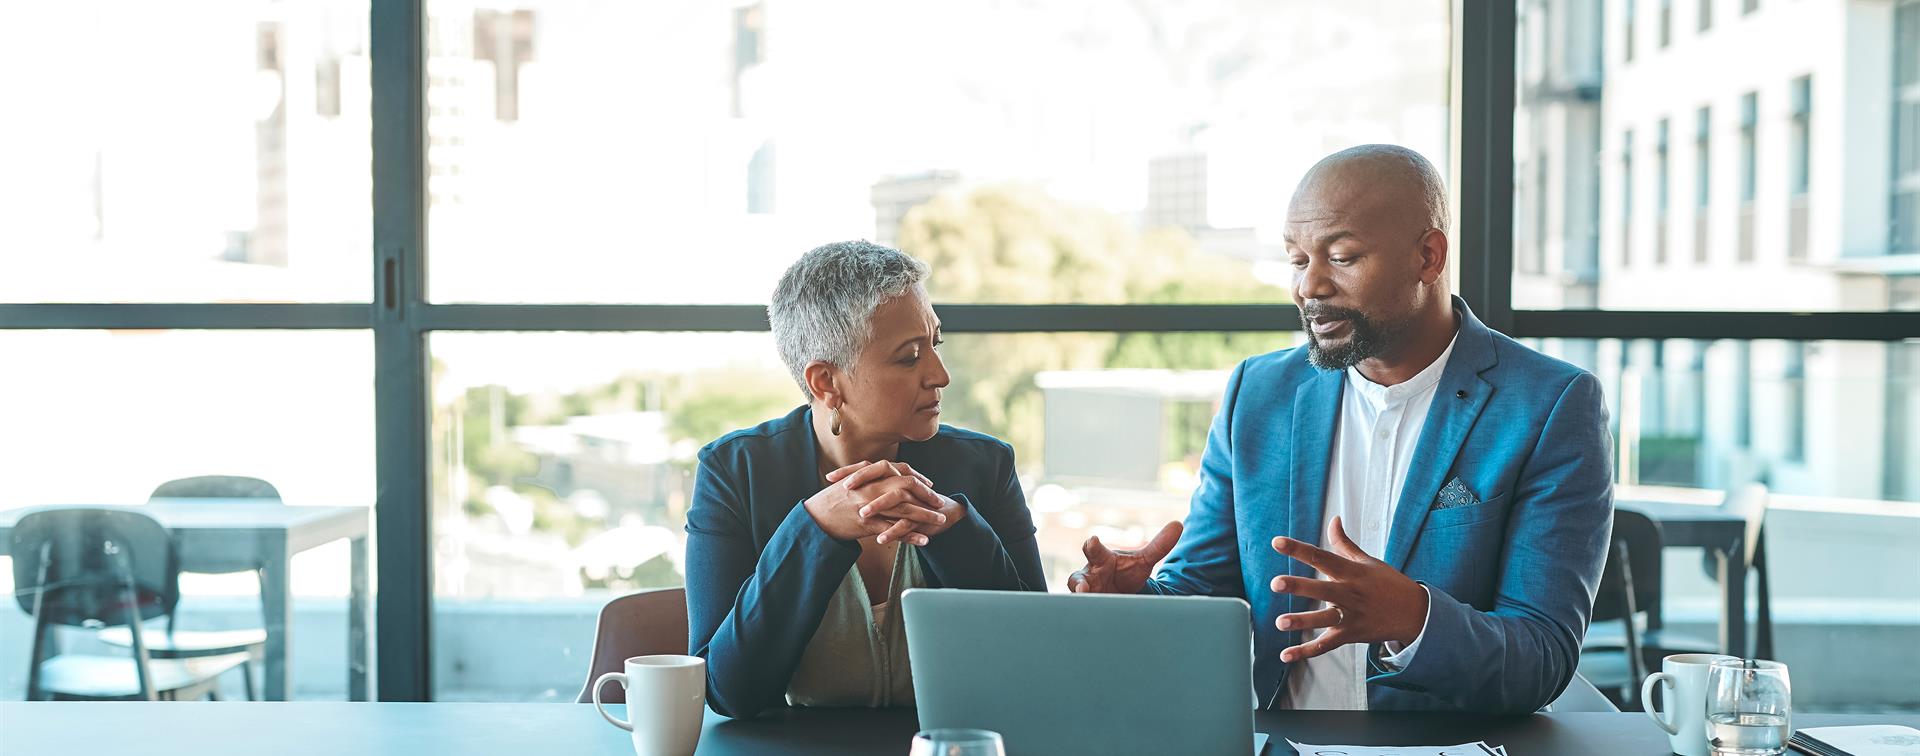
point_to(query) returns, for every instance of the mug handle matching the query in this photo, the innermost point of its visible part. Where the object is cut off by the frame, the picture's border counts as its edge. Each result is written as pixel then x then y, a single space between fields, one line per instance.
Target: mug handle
pixel 597 685
pixel 1646 697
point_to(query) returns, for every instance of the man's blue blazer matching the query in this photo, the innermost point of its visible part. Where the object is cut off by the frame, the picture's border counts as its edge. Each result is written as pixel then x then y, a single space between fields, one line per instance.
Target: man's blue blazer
pixel 1512 575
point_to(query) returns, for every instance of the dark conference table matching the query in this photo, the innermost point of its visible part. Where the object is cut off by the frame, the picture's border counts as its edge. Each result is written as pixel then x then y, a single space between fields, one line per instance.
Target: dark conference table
pixel 550 729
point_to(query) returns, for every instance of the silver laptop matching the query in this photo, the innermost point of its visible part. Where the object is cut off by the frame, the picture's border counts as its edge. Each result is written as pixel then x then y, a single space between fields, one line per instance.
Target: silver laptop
pixel 1085 674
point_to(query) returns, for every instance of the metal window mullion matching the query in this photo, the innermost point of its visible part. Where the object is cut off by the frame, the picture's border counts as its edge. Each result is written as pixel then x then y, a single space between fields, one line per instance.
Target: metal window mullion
pixel 1622 324
pixel 401 375
pixel 1004 318
pixel 1484 49
pixel 987 318
pixel 184 316
pixel 955 318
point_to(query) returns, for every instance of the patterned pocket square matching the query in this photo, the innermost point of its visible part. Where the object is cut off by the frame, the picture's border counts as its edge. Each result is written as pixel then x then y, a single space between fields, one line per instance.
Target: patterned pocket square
pixel 1455 494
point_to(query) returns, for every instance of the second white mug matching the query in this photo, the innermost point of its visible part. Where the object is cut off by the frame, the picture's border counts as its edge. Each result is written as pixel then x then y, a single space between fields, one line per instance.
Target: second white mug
pixel 1684 702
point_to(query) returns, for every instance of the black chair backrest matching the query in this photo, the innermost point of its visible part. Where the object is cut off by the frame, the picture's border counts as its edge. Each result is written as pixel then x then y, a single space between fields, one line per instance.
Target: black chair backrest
pixel 75 564
pixel 1633 558
pixel 216 487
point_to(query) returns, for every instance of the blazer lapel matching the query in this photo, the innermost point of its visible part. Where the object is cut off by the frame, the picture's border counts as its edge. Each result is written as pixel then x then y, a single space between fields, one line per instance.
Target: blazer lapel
pixel 1316 410
pixel 1457 403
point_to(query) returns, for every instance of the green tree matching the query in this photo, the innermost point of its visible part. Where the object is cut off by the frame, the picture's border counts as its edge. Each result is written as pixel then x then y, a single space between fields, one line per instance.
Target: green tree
pixel 1015 244
pixel 488 416
pixel 708 404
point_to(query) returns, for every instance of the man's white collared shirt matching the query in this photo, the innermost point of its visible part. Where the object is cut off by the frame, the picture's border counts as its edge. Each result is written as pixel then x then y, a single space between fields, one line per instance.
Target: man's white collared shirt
pixel 1373 448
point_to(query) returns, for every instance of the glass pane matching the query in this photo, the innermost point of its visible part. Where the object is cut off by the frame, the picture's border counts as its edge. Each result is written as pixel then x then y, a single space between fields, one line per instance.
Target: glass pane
pixel 563 464
pixel 107 417
pixel 213 154
pixel 1801 171
pixel 687 151
pixel 1832 428
pixel 1107 429
pixel 562 469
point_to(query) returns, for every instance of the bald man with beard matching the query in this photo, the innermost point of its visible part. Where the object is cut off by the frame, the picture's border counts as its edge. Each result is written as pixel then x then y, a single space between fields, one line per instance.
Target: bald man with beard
pixel 1416 507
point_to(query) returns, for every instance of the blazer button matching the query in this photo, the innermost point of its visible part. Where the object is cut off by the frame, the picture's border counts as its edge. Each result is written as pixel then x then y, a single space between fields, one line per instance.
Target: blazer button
pixel 1462 393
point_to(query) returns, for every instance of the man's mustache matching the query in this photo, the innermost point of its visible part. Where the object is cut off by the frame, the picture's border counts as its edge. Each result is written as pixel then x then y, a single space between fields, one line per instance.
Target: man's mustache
pixel 1314 311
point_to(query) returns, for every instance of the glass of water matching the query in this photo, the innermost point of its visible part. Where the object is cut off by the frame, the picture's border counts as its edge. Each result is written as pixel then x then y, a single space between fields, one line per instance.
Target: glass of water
pixel 1749 707
pixel 958 742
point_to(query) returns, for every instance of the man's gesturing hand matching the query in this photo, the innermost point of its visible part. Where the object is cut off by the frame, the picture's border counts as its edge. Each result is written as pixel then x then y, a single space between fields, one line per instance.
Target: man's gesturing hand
pixel 1121 570
pixel 1367 600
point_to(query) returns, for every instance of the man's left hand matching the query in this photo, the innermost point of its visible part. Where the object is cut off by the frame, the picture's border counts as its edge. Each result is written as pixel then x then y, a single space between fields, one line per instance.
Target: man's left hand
pixel 1367 600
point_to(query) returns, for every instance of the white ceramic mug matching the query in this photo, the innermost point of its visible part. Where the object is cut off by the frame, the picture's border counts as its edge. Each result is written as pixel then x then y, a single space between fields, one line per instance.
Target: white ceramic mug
pixel 666 703
pixel 1685 701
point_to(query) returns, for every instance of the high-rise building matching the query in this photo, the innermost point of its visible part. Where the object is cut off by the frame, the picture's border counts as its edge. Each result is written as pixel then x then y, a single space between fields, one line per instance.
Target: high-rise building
pixel 749 51
pixel 1180 194
pixel 476 58
pixel 1177 191
pixel 505 39
pixel 749 56
pixel 1651 174
pixel 268 243
pixel 1556 135
pixel 1906 113
pixel 310 162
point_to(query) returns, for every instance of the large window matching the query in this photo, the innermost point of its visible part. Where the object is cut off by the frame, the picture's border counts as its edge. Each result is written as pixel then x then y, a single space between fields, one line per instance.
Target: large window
pixel 109 415
pixel 106 417
pixel 563 463
pixel 562 469
pixel 206 239
pixel 498 269
pixel 1829 426
pixel 1074 153
pixel 1810 227
pixel 1830 418
pixel 1767 342
pixel 685 152
pixel 181 154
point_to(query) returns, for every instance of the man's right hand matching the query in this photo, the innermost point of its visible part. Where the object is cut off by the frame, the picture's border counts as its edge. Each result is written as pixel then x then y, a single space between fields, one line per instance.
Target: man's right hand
pixel 1122 570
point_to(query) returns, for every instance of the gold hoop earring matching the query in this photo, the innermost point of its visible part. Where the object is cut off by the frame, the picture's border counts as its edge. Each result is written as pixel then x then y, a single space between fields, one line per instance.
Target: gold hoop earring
pixel 835 421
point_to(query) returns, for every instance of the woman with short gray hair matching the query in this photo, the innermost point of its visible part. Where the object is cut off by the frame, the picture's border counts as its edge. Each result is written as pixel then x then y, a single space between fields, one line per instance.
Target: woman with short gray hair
pixel 805 529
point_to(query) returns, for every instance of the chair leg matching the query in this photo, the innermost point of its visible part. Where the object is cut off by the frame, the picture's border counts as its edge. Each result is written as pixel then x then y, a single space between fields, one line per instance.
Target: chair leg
pixel 35 659
pixel 39 623
pixel 246 679
pixel 1763 618
pixel 141 660
pixel 1636 669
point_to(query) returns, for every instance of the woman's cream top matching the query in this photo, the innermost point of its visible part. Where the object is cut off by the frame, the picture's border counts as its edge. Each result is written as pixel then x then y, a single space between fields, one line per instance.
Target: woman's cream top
pixel 858 655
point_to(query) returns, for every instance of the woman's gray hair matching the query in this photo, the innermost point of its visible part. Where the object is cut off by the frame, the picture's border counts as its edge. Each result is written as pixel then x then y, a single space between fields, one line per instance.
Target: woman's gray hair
pixel 823 307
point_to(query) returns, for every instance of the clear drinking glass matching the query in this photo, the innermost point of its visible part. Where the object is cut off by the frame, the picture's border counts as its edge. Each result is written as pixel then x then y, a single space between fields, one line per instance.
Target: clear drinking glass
pixel 1749 707
pixel 958 742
